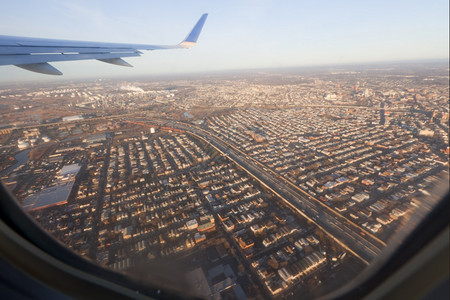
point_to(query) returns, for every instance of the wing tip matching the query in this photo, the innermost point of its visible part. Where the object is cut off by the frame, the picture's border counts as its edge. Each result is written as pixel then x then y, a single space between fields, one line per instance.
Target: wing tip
pixel 193 35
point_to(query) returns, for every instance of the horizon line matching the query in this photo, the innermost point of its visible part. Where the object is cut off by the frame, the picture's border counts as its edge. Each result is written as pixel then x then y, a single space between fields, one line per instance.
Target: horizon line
pixel 236 70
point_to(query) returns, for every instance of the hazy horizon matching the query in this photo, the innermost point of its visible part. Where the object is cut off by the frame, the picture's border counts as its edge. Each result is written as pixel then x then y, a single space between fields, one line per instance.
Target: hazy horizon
pixel 237 34
pixel 223 72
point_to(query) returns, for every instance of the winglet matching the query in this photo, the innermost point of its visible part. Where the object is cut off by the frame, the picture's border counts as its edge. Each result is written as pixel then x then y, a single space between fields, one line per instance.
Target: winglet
pixel 192 37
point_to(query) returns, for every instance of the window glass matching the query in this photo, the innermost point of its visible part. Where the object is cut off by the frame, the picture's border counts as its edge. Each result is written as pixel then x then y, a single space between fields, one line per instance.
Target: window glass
pixel 287 180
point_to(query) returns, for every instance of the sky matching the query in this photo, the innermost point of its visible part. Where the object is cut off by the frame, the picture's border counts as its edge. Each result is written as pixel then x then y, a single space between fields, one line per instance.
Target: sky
pixel 238 34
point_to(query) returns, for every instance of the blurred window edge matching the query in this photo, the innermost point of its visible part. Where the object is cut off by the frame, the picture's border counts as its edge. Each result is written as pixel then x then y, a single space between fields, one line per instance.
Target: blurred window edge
pixel 393 259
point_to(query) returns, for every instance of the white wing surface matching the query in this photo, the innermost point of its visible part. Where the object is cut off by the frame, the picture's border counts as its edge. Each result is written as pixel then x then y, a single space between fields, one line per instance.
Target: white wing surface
pixel 34 54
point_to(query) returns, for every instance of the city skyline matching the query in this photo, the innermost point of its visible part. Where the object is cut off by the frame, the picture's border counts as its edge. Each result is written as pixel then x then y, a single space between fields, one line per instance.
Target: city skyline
pixel 237 35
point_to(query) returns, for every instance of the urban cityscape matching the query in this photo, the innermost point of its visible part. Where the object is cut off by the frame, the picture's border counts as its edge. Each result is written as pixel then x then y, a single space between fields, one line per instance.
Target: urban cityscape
pixel 279 184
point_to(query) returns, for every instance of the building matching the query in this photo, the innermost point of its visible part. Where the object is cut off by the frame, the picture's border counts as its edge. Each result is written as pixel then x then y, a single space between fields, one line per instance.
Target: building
pixel 22 145
pixel 191 224
pixel 72 118
pixel 95 138
pixel 68 170
pixel 55 195
pixel 52 196
pixel 361 197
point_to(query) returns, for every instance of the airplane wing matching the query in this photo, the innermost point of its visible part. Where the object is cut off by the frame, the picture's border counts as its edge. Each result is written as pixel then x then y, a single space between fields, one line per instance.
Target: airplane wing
pixel 33 54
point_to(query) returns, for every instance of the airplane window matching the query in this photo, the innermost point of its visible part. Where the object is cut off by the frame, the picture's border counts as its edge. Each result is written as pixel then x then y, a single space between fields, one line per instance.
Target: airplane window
pixel 235 173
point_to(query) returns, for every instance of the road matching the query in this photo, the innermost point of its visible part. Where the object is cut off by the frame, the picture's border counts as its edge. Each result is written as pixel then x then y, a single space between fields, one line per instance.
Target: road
pixel 356 240
pixel 352 237
pixel 349 235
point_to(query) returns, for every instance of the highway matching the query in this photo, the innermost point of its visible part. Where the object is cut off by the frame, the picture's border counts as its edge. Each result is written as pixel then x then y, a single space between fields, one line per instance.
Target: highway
pixel 356 240
pixel 351 236
pixel 347 234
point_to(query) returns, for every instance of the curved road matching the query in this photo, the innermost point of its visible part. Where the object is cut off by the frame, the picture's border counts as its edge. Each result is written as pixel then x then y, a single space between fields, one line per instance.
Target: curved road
pixel 349 235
